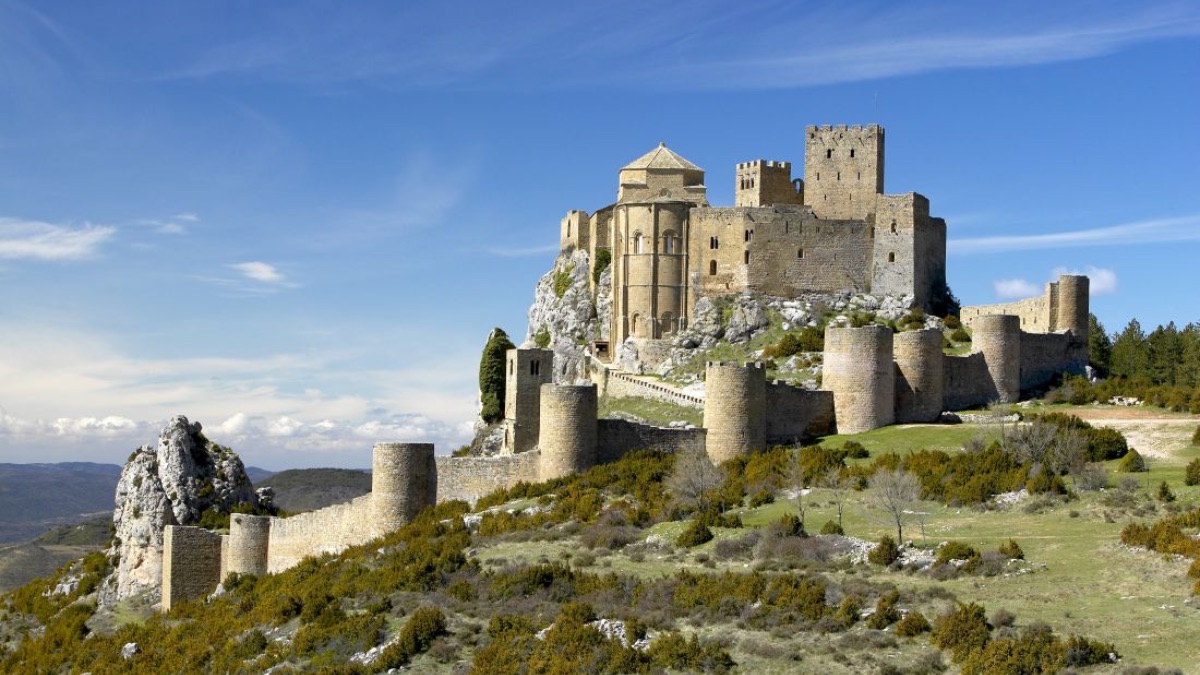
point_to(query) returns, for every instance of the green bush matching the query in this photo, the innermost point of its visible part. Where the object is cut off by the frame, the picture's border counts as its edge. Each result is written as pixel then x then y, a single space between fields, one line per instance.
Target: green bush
pixel 492 377
pixel 831 527
pixel 1132 462
pixel 1164 493
pixel 957 550
pixel 562 279
pixel 962 631
pixel 1191 475
pixel 960 335
pixel 885 553
pixel 1011 549
pixel 952 322
pixel 913 624
pixel 1196 436
pixel 886 611
pixel 542 339
pixel 694 534
pixel 855 450
pixel 603 260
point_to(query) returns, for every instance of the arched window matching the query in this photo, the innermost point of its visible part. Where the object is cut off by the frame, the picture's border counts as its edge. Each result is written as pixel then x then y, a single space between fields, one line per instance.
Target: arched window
pixel 670 242
pixel 633 325
pixel 893 227
pixel 638 243
pixel 712 268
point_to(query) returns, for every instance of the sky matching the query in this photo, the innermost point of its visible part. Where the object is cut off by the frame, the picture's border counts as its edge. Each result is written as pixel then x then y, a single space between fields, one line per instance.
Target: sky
pixel 296 222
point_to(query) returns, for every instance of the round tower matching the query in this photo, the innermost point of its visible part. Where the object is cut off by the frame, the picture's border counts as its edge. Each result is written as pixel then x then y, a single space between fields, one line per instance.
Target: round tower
pixel 568 433
pixel 735 409
pixel 248 539
pixel 998 338
pixel 1073 305
pixel 403 481
pixel 859 372
pixel 920 367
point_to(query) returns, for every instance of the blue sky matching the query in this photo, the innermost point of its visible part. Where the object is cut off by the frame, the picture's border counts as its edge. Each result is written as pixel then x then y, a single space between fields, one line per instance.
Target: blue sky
pixel 297 222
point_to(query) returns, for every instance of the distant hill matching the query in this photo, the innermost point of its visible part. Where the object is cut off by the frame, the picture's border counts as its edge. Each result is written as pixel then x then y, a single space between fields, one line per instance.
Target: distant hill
pixel 22 563
pixel 257 474
pixel 299 490
pixel 36 497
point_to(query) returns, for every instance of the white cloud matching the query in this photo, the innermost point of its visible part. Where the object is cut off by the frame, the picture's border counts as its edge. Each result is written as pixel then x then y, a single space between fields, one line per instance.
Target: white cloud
pixel 34 240
pixel 1016 288
pixel 186 217
pixel 1101 281
pixel 1182 228
pixel 259 271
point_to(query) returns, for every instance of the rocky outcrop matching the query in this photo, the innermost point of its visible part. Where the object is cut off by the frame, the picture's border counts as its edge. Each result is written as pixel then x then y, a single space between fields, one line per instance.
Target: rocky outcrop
pixel 564 313
pixel 183 480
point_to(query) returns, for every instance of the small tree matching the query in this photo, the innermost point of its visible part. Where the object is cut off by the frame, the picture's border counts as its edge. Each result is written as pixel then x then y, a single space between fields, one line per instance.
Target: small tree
pixel 1191 475
pixel 893 493
pixel 839 487
pixel 491 376
pixel 694 481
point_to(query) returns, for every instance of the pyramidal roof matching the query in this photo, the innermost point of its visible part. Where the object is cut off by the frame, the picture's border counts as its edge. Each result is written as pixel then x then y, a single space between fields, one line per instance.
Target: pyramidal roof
pixel 661 157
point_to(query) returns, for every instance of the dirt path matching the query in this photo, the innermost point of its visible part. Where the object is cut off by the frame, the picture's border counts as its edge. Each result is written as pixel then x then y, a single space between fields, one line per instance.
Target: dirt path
pixel 1154 433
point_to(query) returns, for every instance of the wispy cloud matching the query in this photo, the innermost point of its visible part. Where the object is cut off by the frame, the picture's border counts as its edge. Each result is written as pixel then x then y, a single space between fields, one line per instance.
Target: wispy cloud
pixel 1101 280
pixel 35 240
pixel 1015 288
pixel 1182 228
pixel 254 278
pixel 176 224
pixel 260 271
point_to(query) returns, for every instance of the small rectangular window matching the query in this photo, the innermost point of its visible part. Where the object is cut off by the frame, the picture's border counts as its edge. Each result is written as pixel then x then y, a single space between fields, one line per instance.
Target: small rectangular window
pixel 747 257
pixel 828 154
pixel 851 153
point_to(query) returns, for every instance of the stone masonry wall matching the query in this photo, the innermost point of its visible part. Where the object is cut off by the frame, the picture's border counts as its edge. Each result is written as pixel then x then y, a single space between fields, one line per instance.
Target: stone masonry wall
pixel 622 384
pixel 330 530
pixel 618 437
pixel 1036 314
pixel 191 564
pixel 795 414
pixel 967 382
pixel 1045 355
pixel 469 478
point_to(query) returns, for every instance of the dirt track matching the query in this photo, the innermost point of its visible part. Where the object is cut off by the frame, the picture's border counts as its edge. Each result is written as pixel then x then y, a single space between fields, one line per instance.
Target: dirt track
pixel 1154 433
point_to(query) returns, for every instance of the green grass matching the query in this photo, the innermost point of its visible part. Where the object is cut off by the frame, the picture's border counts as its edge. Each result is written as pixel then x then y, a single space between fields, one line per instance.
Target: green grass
pixel 652 411
pixel 911 437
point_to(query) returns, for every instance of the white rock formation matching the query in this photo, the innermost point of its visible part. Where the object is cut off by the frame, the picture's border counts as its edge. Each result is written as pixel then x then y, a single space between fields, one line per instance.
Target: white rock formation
pixel 568 318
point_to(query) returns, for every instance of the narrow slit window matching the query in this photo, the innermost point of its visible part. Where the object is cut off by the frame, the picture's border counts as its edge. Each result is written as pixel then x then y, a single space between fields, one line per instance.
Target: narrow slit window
pixel 851 153
pixel 712 268
pixel 746 256
pixel 828 154
pixel 800 254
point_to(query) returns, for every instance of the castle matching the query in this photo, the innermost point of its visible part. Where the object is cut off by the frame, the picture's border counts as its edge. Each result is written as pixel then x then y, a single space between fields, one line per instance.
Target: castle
pixel 834 231
pixel 668 248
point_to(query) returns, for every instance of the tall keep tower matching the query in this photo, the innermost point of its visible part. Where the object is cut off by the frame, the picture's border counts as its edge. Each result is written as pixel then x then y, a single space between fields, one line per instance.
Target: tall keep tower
pixel 843 170
pixel 649 244
pixel 525 371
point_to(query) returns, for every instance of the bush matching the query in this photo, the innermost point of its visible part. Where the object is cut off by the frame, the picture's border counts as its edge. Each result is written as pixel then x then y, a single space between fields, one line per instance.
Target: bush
pixel 603 260
pixel 886 613
pixel 952 322
pixel 1012 550
pixel 960 335
pixel 1191 475
pixel 563 279
pixel 956 550
pixel 855 450
pixel 962 631
pixel 542 339
pixel 694 534
pixel 1196 436
pixel 1132 462
pixel 491 376
pixel 1164 493
pixel 913 624
pixel 831 527
pixel 885 553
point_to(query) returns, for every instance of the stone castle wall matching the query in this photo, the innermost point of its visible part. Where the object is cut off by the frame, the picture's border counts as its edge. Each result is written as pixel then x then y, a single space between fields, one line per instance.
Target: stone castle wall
pixel 920 376
pixel 796 414
pixel 191 564
pixel 619 437
pixel 469 478
pixel 620 385
pixel 967 382
pixel 843 170
pixel 247 548
pixel 332 529
pixel 1035 314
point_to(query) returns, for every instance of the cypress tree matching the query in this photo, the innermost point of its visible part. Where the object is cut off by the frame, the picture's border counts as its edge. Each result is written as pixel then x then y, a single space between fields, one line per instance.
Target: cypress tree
pixel 491 376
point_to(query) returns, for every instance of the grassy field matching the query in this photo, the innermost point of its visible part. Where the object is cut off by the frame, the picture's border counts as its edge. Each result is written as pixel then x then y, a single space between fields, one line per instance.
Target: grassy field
pixel 1079 578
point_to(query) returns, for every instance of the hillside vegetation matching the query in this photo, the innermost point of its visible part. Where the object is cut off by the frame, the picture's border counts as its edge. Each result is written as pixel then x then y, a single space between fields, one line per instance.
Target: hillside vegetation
pixel 631 571
pixel 299 490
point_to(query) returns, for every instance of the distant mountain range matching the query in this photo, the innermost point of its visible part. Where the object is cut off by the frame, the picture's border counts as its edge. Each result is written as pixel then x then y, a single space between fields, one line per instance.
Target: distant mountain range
pixel 299 490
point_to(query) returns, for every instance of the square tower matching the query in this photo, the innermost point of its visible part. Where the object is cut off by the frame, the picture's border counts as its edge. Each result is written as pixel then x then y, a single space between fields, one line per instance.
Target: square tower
pixel 525 371
pixel 766 183
pixel 843 170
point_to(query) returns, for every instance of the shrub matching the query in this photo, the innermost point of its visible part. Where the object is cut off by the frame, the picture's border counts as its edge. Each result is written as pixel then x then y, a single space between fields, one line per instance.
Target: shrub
pixel 952 322
pixel 855 450
pixel 886 612
pixel 1132 462
pixel 960 335
pixel 962 631
pixel 603 260
pixel 563 279
pixel 1196 436
pixel 1012 549
pixel 956 550
pixel 423 626
pixel 694 534
pixel 831 527
pixel 491 376
pixel 1191 475
pixel 914 623
pixel 542 338
pixel 885 553
pixel 1164 493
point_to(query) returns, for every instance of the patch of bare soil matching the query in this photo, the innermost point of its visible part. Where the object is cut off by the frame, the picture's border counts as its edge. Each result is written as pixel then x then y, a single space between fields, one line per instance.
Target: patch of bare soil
pixel 1152 432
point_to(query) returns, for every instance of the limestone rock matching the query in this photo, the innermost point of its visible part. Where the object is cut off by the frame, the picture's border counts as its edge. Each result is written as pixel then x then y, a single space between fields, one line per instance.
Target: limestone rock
pixel 563 307
pixel 604 303
pixel 749 318
pixel 172 483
